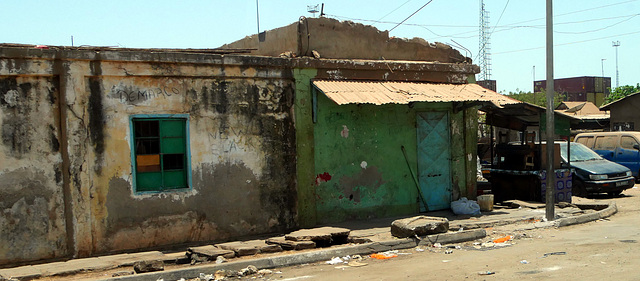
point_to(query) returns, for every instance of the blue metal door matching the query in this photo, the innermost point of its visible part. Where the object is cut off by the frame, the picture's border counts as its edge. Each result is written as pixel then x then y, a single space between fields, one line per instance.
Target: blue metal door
pixel 434 160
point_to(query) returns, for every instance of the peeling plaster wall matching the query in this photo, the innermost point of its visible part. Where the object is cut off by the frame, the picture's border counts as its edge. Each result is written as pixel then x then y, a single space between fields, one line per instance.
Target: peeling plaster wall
pixel 65 158
pixel 345 40
pixel 360 170
pixel 241 139
pixel 32 222
pixel 242 156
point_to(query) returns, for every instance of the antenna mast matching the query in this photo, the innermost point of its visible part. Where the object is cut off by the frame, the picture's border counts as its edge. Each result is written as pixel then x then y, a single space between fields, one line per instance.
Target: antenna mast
pixel 313 9
pixel 484 51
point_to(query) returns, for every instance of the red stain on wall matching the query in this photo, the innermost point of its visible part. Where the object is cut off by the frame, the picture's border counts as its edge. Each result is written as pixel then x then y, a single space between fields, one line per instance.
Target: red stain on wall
pixel 324 177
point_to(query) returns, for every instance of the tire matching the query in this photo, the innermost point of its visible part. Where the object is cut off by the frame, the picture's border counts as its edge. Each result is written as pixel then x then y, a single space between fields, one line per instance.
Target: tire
pixel 578 188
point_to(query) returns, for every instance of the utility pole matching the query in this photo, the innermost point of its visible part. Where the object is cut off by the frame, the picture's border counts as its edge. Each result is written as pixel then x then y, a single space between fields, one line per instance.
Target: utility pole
pixel 551 178
pixel 602 62
pixel 616 44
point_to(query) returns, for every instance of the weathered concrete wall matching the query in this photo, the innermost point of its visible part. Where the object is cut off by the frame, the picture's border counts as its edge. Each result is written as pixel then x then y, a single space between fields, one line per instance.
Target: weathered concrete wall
pixel 360 170
pixel 242 154
pixel 66 172
pixel 241 139
pixel 32 221
pixel 345 40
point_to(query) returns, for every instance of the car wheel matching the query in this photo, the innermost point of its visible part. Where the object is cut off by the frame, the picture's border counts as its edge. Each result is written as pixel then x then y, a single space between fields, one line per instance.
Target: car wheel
pixel 615 193
pixel 578 188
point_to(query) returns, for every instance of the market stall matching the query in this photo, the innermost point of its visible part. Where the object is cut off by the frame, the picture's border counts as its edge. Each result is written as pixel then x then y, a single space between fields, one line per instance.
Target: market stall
pixel 518 160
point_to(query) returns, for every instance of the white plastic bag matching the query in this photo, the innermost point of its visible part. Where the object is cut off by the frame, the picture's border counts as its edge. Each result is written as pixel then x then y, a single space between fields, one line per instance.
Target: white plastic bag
pixel 465 206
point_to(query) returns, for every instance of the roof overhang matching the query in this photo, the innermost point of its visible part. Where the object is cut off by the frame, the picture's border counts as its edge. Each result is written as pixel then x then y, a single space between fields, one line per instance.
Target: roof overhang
pixel 520 116
pixel 386 92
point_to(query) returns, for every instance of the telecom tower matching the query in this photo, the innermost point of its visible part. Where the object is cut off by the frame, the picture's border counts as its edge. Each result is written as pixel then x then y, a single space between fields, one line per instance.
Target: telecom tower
pixel 484 50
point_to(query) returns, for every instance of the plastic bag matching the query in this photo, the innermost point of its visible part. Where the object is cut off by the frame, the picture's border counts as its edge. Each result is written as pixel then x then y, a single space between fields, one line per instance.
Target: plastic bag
pixel 465 206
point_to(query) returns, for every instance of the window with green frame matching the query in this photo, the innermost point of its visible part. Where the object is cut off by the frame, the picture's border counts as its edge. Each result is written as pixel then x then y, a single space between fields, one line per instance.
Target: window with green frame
pixel 160 154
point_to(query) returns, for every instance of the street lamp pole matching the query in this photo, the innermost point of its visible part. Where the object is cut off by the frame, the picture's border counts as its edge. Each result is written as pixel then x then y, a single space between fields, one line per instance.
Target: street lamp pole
pixel 616 44
pixel 550 130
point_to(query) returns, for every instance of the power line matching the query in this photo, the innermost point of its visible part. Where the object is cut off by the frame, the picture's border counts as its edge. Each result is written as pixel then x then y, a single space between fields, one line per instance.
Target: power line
pixel 508 27
pixel 498 28
pixel 571 43
pixel 411 15
pixel 579 11
pixel 395 9
pixel 599 29
pixel 499 18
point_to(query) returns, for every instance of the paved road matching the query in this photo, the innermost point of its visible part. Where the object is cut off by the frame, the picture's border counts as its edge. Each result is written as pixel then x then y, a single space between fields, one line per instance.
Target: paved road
pixel 601 250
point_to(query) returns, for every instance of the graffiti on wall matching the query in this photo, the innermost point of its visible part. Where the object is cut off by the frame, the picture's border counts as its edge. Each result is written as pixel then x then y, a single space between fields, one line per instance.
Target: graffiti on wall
pixel 131 96
pixel 234 138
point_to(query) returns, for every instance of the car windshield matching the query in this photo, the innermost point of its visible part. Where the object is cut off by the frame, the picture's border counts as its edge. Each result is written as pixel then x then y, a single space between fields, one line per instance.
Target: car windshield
pixel 579 152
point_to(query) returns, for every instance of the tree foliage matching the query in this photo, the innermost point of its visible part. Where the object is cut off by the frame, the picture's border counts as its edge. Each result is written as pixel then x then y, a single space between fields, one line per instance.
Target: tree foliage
pixel 535 98
pixel 621 92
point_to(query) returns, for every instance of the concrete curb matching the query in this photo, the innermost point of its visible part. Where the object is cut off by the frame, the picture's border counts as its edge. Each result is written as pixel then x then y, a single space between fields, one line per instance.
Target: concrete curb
pixel 309 257
pixel 611 209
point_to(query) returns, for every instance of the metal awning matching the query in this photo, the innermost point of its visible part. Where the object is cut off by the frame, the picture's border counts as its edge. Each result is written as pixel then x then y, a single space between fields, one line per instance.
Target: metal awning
pixel 384 92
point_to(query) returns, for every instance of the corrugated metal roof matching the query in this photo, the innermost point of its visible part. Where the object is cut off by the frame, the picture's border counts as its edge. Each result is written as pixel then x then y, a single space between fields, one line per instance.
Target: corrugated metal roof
pixel 580 108
pixel 346 92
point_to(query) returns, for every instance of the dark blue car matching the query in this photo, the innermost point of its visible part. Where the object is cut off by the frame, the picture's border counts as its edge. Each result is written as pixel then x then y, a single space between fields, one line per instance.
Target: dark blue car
pixel 594 174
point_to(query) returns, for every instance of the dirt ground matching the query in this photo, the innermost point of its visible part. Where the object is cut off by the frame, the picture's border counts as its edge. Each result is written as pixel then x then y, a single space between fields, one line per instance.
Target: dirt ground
pixel 602 250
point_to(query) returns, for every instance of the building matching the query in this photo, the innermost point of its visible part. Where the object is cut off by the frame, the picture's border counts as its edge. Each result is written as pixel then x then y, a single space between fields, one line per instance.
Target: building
pixel 590 117
pixel 623 113
pixel 111 150
pixel 585 88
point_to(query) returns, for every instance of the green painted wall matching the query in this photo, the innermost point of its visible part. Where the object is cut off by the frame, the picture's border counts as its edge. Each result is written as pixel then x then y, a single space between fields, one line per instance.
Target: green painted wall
pixel 359 166
pixel 304 147
pixel 332 183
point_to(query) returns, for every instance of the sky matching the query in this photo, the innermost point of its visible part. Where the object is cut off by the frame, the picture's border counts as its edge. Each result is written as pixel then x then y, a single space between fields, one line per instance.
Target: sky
pixel 583 30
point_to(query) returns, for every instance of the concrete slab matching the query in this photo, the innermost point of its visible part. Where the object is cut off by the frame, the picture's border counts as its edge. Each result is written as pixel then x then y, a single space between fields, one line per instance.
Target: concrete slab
pixel 22 272
pixel 130 258
pixel 177 258
pixel 369 235
pixel 419 225
pixel 249 248
pixel 322 236
pixel 291 245
pixel 208 253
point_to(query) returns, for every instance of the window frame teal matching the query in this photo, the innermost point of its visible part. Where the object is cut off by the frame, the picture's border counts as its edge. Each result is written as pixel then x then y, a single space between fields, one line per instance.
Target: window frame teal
pixel 187 152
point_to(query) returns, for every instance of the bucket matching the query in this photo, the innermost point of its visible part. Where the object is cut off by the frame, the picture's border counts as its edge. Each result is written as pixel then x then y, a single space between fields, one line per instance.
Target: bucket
pixel 486 202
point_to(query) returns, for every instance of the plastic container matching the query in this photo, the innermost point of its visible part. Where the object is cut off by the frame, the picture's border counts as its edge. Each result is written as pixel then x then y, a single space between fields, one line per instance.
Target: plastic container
pixel 486 202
